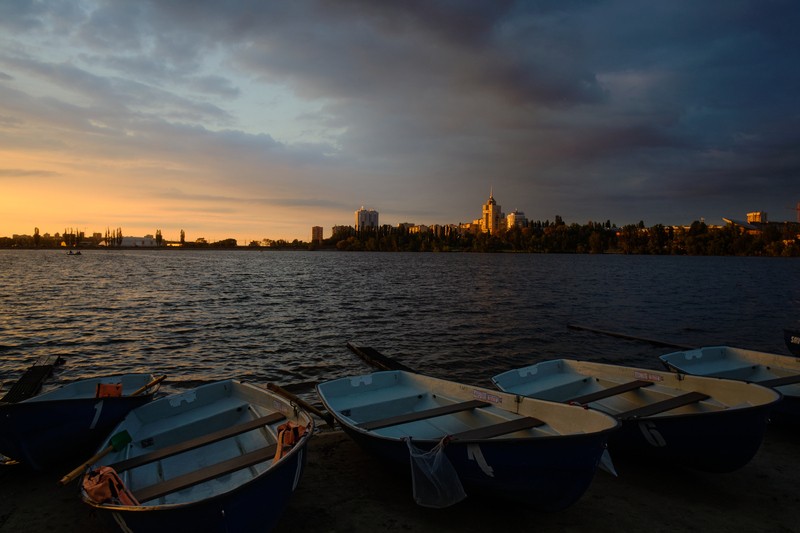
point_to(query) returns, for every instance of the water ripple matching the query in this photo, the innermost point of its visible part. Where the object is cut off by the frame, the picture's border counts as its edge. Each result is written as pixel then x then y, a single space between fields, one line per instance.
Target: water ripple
pixel 286 316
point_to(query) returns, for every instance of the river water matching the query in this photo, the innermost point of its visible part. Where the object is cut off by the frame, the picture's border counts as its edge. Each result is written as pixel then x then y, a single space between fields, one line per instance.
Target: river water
pixel 262 316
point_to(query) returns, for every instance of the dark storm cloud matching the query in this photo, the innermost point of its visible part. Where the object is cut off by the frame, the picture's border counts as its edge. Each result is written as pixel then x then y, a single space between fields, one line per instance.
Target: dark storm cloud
pixel 614 109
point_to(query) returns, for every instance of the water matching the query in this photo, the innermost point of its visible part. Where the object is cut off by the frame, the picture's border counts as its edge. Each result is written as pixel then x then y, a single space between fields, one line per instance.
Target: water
pixel 199 316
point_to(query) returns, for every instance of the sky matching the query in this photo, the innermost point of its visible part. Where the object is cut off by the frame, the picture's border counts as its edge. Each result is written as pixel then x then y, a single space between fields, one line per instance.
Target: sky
pixel 258 120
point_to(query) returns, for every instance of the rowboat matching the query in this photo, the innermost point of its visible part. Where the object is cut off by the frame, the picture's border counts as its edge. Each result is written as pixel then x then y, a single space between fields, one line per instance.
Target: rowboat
pixel 542 453
pixel 70 420
pixel 780 372
pixel 224 456
pixel 707 424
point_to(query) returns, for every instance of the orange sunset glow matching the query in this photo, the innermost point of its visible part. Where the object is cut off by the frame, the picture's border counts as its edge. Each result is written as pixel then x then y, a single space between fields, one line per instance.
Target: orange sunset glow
pixel 151 116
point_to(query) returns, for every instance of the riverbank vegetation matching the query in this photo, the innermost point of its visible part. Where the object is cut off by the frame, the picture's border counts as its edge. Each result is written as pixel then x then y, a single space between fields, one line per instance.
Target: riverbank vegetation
pixel 774 240
pixel 595 238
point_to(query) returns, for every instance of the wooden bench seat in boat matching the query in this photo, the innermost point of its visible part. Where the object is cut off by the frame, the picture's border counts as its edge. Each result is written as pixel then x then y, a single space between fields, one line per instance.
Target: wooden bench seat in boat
pixel 205 474
pixel 611 391
pixel 191 444
pixel 779 382
pixel 663 405
pixel 422 415
pixel 502 428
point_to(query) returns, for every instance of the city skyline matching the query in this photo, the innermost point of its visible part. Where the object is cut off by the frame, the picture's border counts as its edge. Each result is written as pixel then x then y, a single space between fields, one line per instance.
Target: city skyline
pixel 216 119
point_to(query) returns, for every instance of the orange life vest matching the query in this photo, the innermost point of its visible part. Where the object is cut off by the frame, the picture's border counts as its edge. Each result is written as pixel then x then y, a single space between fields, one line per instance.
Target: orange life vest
pixel 105 486
pixel 289 434
pixel 108 390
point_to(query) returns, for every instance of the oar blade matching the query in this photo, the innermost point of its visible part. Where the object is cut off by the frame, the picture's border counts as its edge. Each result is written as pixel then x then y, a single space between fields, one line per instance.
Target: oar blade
pixel 120 440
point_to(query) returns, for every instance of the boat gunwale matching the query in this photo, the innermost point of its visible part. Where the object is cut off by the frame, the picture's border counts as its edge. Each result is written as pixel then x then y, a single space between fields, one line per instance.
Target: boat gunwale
pixel 299 413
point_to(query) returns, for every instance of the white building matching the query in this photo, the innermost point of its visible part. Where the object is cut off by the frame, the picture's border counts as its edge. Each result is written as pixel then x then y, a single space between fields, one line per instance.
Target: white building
pixel 517 218
pixel 366 218
pixel 148 241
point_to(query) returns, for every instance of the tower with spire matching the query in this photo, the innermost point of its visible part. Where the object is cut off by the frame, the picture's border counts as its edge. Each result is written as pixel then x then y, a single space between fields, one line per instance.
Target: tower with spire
pixel 492 216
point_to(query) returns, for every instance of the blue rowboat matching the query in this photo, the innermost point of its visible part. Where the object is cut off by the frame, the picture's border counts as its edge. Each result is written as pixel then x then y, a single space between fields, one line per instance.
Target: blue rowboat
pixel 707 424
pixel 205 460
pixel 780 372
pixel 70 420
pixel 542 453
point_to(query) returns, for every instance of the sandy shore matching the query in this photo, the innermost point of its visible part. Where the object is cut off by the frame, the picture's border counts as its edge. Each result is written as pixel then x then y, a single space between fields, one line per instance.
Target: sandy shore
pixel 345 490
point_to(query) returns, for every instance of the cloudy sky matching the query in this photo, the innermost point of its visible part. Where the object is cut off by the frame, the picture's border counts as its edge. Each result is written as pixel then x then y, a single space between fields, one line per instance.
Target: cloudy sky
pixel 253 119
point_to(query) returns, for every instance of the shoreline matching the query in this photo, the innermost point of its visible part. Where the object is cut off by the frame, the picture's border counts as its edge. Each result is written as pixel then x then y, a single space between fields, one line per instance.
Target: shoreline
pixel 345 489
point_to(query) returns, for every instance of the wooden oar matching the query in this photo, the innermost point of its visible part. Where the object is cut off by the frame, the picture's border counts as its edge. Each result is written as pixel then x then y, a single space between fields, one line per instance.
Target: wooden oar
pixel 632 338
pixel 116 443
pixel 373 357
pixel 149 385
pixel 302 403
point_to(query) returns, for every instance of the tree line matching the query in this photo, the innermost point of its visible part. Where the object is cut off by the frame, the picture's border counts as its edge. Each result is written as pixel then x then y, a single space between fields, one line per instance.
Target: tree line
pixel 774 239
pixel 593 237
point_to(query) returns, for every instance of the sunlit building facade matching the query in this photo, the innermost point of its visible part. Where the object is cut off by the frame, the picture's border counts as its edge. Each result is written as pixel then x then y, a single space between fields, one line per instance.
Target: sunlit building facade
pixel 492 219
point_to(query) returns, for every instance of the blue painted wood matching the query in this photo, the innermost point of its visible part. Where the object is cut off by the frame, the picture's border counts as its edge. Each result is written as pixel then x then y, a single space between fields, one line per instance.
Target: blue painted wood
pixel 67 422
pixel 717 428
pixel 202 460
pixel 767 369
pixel 495 449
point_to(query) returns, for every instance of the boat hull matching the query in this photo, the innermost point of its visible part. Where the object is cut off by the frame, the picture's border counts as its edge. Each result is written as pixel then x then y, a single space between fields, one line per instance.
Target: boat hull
pixel 548 476
pixel 744 365
pixel 722 443
pixel 547 471
pixel 43 433
pixel 251 497
pixel 721 435
pixel 257 506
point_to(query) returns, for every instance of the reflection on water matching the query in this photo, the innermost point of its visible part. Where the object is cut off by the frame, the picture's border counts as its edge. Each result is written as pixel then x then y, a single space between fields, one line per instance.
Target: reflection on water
pixel 286 316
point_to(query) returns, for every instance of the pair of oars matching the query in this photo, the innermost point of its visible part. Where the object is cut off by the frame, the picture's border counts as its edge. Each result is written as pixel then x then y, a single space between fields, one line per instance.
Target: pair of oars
pixel 116 443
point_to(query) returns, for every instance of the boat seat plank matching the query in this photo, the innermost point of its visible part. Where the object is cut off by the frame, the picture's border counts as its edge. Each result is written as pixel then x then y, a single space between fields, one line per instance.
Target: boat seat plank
pixel 611 391
pixel 502 428
pixel 205 474
pixel 779 382
pixel 422 415
pixel 191 444
pixel 664 405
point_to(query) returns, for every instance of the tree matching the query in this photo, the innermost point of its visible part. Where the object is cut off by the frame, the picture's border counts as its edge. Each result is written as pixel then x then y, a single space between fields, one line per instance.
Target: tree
pixel 158 237
pixel 36 237
pixel 183 238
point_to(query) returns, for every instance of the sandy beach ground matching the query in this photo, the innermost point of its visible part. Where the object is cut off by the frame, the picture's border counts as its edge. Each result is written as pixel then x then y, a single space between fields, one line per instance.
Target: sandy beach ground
pixel 345 490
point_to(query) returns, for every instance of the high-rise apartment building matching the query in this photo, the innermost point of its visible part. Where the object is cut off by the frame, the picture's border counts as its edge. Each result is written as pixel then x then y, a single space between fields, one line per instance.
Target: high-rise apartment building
pixel 366 218
pixel 492 219
pixel 517 218
pixel 316 234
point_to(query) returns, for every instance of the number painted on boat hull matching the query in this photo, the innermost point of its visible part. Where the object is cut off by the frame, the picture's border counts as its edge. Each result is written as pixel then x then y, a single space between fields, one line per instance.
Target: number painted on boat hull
pixel 98 408
pixel 474 453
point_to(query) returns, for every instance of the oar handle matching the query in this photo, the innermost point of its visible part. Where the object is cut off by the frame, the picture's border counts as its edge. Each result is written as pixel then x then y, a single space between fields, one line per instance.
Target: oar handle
pixel 302 403
pixel 78 471
pixel 150 385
